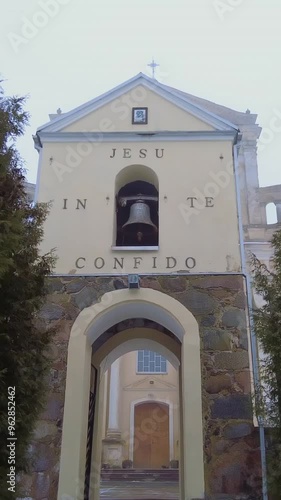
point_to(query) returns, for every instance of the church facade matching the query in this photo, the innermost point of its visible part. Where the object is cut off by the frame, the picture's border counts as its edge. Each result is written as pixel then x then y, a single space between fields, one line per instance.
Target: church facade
pixel 155 204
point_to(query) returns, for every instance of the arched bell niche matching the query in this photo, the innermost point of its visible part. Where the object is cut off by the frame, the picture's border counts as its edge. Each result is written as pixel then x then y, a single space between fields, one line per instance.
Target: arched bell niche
pixel 137 201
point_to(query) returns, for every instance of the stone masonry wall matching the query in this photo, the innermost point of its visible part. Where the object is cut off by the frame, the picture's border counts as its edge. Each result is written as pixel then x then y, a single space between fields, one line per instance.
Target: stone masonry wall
pixel 232 456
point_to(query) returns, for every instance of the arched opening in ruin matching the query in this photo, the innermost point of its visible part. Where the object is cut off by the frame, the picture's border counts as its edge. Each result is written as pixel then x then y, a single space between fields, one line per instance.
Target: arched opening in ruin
pixel 271 213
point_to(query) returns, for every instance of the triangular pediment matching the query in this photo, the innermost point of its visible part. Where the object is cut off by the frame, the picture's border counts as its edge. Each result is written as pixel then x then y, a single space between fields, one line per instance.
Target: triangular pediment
pixel 167 110
pixel 145 383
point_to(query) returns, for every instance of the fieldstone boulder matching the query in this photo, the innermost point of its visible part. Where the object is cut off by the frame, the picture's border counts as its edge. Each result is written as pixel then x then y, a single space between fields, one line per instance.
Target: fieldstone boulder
pixel 230 282
pixel 243 379
pixel 53 409
pixel 197 302
pixel 234 318
pixel 75 285
pixel 119 284
pixel 44 429
pixel 240 300
pixel 51 312
pixel 236 360
pixel 234 431
pixel 42 486
pixel 221 446
pixel 218 383
pixel 173 284
pixel 43 459
pixel 234 406
pixel 54 284
pixel 85 298
pixel 243 339
pixel 217 340
pixel 209 320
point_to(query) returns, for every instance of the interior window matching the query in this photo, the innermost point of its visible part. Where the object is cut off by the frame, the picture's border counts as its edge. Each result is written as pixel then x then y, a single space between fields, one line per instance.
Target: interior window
pixel 151 362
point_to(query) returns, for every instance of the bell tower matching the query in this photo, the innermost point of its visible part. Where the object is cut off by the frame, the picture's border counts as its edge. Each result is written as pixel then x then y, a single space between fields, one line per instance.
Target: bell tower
pixel 144 187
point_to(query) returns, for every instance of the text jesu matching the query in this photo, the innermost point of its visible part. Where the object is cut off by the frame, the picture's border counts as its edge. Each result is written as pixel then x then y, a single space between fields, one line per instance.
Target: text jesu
pixel 142 153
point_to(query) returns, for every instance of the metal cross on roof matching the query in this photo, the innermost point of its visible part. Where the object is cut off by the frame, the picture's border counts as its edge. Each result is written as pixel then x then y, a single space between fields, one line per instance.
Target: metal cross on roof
pixel 153 65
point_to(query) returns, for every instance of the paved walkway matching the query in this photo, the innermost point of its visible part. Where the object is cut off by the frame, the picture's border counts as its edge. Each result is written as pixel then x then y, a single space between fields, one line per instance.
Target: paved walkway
pixel 139 490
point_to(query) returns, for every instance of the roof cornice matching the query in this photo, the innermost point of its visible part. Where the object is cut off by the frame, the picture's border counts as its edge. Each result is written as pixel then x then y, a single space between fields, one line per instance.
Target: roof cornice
pixel 97 137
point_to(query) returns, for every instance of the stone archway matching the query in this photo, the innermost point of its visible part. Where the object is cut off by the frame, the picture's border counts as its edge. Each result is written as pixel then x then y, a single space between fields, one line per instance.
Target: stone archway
pixel 88 327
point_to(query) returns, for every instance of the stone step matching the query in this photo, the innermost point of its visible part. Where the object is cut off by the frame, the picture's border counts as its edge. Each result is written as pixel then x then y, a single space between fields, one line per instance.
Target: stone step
pixel 140 475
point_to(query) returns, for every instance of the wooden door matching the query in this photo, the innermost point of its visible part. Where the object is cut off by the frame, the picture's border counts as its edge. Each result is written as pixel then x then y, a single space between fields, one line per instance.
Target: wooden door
pixel 151 435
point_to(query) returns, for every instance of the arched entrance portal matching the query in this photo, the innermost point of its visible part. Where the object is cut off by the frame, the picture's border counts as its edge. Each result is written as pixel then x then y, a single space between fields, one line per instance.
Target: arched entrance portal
pixel 87 330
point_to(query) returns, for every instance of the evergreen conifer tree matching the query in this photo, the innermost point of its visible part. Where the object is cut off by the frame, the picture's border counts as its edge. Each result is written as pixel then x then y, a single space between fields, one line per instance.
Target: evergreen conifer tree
pixel 267 320
pixel 24 353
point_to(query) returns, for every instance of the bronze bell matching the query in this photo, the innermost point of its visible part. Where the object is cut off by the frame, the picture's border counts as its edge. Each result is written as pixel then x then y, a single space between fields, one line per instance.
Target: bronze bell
pixel 139 215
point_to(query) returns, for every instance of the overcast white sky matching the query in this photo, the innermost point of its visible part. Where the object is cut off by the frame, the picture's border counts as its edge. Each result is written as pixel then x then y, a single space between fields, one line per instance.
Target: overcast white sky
pixel 227 51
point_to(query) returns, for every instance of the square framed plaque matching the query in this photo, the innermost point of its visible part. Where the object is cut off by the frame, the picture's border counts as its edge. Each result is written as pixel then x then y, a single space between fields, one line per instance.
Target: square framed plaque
pixel 139 116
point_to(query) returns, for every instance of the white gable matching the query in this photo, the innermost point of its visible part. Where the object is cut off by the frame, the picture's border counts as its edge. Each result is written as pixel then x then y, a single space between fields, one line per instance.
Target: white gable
pixel 113 110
